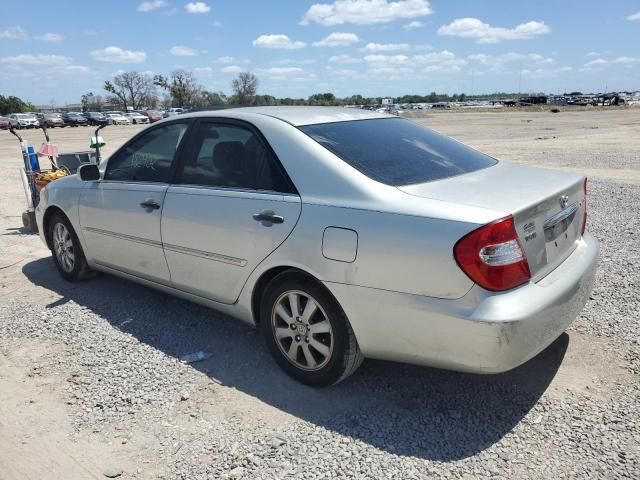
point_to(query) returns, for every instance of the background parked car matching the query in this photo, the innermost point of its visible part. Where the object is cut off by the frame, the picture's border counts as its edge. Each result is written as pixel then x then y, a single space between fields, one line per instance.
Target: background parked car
pixel 175 111
pixel 96 118
pixel 51 120
pixel 25 120
pixel 137 117
pixel 5 123
pixel 153 115
pixel 74 119
pixel 117 119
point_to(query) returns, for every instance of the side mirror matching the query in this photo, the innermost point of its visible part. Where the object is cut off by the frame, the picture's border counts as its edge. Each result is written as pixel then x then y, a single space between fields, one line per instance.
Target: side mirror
pixel 89 172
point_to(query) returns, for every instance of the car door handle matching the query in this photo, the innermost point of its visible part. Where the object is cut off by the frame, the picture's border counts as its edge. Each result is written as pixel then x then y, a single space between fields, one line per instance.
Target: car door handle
pixel 268 216
pixel 150 204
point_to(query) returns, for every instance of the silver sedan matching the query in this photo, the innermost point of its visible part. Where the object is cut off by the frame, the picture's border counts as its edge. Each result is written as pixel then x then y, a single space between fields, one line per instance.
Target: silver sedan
pixel 340 233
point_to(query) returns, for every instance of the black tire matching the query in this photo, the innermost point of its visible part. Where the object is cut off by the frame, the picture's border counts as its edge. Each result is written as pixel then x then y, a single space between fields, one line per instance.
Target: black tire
pixel 345 356
pixel 80 269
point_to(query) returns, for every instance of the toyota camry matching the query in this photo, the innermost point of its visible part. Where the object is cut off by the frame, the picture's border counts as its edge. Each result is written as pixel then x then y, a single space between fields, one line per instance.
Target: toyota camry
pixel 339 233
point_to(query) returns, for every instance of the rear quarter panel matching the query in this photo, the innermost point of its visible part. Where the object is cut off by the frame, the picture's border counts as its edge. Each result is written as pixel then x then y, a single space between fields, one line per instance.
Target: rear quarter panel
pixel 395 252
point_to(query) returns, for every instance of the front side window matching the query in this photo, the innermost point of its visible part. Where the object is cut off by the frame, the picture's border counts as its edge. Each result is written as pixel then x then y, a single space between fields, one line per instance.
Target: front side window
pixel 232 156
pixel 149 157
pixel 397 152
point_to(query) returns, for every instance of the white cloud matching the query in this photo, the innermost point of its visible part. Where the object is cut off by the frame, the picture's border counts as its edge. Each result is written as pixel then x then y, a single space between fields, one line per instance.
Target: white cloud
pixel 197 7
pixel 593 54
pixel 440 62
pixel 75 69
pixel 413 25
pixel 635 16
pixel 203 71
pixel 182 51
pixel 598 62
pixel 225 59
pixel 626 60
pixel 337 39
pixel 118 55
pixel 151 5
pixel 344 59
pixel 386 59
pixel 485 33
pixel 546 72
pixel 386 47
pixel 14 33
pixel 280 71
pixel 291 61
pixel 42 60
pixel 498 61
pixel 364 12
pixel 20 65
pixel 232 69
pixel 291 74
pixel 277 41
pixel 51 37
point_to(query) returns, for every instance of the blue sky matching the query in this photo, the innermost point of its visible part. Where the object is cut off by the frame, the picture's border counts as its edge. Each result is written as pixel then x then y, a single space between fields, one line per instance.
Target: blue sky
pixel 56 51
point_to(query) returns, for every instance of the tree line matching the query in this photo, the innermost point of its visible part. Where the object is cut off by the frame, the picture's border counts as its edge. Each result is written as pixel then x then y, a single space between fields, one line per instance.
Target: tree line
pixel 13 104
pixel 181 88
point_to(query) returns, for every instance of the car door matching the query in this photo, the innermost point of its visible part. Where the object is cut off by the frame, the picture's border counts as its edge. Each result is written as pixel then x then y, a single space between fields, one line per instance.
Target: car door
pixel 231 205
pixel 120 215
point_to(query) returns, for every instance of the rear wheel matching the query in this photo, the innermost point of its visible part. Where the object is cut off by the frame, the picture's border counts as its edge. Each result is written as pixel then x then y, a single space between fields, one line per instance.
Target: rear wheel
pixel 307 332
pixel 66 250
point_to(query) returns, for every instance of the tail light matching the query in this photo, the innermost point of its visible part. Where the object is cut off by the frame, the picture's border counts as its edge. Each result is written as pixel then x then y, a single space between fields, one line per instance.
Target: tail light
pixel 584 208
pixel 492 256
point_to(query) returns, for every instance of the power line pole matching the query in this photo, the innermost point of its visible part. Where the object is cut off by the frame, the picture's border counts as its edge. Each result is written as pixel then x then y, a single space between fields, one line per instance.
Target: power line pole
pixel 520 80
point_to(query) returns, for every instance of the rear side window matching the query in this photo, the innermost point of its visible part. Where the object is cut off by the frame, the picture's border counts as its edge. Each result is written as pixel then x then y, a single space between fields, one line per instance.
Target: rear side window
pixel 232 156
pixel 397 152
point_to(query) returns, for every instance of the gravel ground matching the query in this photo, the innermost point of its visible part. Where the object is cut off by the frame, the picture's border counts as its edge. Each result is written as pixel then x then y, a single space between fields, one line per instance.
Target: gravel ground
pixel 110 351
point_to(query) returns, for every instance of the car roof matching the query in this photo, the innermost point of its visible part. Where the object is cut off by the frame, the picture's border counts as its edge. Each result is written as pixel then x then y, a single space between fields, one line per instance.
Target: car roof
pixel 298 115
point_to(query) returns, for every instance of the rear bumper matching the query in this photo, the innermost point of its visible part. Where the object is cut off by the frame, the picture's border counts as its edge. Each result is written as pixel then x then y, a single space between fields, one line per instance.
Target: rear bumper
pixel 483 332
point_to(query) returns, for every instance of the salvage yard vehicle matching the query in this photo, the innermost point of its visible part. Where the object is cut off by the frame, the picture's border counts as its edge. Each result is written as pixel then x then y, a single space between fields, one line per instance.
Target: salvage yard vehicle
pixel 153 115
pixel 340 233
pixel 136 117
pixel 25 120
pixel 51 120
pixel 96 118
pixel 74 119
pixel 117 119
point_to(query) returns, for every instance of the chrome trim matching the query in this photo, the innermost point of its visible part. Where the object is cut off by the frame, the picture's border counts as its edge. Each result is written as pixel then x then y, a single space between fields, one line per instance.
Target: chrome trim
pixel 122 236
pixel 560 216
pixel 240 262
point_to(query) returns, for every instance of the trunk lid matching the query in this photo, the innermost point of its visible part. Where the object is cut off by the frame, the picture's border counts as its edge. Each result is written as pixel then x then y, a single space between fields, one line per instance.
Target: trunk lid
pixel 547 206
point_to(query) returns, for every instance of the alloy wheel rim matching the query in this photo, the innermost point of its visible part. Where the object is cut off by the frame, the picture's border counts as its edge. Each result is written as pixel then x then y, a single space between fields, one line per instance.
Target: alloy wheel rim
pixel 302 330
pixel 63 247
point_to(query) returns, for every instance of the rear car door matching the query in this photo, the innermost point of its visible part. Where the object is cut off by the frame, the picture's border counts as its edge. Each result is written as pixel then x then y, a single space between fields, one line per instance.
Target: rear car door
pixel 232 204
pixel 120 215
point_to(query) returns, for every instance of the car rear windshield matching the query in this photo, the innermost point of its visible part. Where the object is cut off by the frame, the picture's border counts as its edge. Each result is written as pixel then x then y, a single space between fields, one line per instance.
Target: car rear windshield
pixel 397 152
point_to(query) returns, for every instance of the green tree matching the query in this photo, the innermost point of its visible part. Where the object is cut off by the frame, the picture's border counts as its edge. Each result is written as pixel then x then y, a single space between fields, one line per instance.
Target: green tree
pixel 132 89
pixel 182 87
pixel 244 86
pixel 13 104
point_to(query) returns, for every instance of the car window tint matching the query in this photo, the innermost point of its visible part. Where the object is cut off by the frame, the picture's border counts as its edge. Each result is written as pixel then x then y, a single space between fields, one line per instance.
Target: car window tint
pixel 148 158
pixel 226 155
pixel 397 152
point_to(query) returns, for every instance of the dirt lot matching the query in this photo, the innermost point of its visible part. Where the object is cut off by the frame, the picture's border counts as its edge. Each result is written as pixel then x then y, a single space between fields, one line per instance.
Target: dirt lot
pixel 91 384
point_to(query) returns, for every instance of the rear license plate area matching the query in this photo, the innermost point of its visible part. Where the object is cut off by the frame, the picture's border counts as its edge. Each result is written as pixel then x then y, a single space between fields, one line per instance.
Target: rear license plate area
pixel 560 232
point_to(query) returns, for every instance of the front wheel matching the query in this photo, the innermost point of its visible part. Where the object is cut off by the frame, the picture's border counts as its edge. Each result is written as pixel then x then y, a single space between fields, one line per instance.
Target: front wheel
pixel 66 250
pixel 307 332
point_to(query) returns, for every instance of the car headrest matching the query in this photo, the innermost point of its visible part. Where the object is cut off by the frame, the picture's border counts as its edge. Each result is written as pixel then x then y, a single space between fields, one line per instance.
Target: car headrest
pixel 229 156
